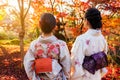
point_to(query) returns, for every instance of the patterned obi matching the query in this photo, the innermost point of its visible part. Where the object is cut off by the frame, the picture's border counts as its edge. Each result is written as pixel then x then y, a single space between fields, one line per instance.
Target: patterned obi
pixel 95 62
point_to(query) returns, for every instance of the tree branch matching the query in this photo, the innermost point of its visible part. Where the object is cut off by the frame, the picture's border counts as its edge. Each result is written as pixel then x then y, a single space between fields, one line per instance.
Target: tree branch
pixel 19 5
pixel 27 9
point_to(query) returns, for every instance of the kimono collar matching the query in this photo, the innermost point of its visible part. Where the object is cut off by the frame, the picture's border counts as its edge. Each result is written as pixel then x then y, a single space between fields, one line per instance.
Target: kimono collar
pixel 94 32
pixel 47 39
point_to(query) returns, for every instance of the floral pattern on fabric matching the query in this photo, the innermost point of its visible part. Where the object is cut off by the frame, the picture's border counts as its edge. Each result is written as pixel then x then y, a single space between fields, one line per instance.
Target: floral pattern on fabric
pixel 39 48
pixel 77 62
pixel 87 42
pixel 39 51
pixel 52 51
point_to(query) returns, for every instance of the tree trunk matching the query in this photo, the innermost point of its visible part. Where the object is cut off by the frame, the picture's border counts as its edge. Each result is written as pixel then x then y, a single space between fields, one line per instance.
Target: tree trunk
pixel 22 31
pixel 21 46
pixel 21 36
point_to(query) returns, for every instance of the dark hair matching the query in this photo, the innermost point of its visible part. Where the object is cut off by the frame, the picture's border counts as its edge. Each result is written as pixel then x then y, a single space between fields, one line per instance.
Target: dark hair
pixel 47 22
pixel 94 17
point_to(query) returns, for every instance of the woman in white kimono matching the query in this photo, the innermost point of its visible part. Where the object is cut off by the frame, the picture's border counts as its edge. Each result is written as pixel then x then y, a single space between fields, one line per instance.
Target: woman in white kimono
pixel 87 44
pixel 47 45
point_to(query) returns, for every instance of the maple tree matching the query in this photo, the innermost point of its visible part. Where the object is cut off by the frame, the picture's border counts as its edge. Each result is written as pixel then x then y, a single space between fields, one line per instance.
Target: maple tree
pixel 23 14
pixel 53 6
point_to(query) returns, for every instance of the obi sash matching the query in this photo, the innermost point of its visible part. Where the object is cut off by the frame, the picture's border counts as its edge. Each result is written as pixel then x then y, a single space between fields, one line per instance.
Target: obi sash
pixel 95 62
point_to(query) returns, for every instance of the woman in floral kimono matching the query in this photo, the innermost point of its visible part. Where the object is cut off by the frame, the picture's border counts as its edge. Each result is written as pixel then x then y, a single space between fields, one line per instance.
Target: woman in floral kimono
pixel 48 46
pixel 87 44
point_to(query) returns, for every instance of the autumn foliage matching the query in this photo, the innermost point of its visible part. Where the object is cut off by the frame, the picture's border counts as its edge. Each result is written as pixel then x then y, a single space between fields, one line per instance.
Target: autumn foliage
pixel 72 16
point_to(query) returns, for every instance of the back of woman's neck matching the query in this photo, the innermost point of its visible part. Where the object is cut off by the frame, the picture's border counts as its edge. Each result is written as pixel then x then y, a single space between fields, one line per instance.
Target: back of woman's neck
pixel 46 35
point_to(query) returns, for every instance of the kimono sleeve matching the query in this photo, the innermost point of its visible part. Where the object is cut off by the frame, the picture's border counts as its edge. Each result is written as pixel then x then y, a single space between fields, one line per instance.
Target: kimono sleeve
pixel 104 70
pixel 28 62
pixel 77 57
pixel 106 47
pixel 65 59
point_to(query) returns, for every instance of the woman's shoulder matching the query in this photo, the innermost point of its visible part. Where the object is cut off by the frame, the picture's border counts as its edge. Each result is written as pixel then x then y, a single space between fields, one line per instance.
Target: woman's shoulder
pixel 34 42
pixel 61 42
pixel 81 37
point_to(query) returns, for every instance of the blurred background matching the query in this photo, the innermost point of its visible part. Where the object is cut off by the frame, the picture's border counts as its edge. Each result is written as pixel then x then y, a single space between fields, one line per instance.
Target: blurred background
pixel 19 25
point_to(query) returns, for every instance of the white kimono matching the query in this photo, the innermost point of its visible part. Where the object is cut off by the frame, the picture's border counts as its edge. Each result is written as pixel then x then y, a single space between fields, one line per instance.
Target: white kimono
pixel 85 45
pixel 64 59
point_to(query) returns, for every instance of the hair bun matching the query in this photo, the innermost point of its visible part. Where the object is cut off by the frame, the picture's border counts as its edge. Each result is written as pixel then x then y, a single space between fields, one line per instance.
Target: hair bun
pixel 94 17
pixel 92 14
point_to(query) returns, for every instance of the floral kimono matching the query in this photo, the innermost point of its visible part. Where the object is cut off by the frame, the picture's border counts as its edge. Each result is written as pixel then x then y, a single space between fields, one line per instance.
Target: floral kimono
pixel 48 47
pixel 87 44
